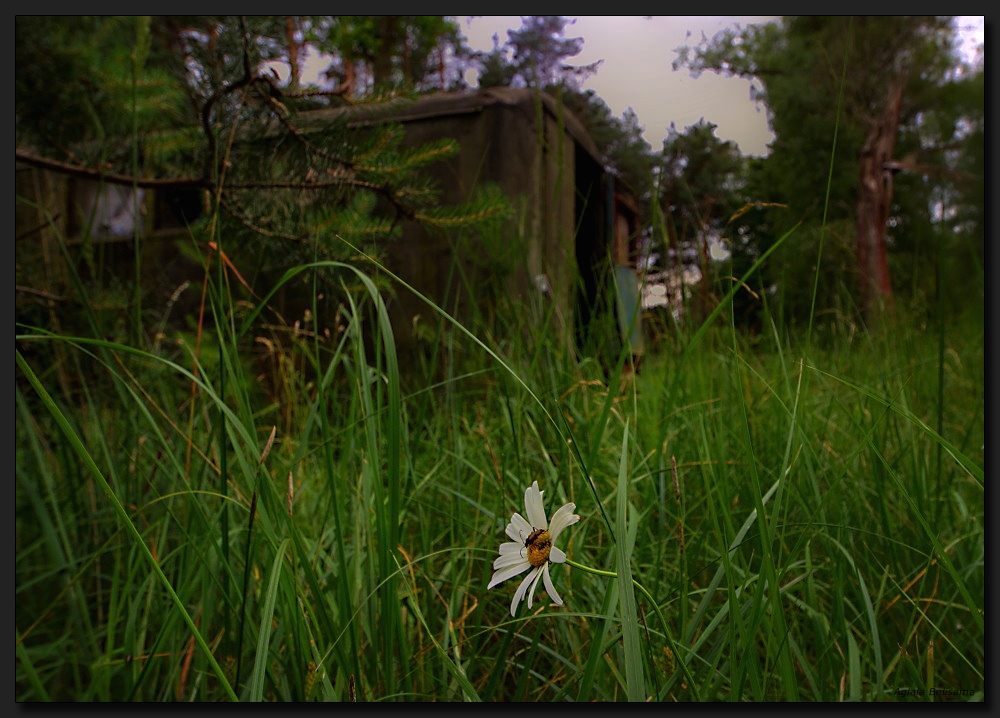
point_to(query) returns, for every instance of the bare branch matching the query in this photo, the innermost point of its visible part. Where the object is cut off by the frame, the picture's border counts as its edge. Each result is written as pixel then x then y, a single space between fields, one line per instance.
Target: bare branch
pixel 96 173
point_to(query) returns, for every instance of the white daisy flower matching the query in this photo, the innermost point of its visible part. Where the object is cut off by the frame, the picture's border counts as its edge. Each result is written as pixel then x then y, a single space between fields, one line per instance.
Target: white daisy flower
pixel 533 546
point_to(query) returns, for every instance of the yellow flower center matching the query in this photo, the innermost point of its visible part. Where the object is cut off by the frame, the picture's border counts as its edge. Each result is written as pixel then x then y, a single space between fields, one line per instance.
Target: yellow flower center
pixel 538 543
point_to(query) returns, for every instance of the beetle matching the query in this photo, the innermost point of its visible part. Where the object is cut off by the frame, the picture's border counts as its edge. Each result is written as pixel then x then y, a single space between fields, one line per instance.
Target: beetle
pixel 538 545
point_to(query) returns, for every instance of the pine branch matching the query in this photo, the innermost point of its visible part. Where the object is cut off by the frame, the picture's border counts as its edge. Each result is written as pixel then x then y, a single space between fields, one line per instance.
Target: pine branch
pixel 237 214
pixel 96 173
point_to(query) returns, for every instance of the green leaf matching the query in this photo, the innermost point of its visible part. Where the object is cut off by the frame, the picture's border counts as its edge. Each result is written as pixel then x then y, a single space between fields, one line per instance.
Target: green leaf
pixel 261 662
pixel 635 678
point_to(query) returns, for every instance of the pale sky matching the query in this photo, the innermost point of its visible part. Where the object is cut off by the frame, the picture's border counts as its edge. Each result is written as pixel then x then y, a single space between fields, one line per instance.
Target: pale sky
pixel 638 54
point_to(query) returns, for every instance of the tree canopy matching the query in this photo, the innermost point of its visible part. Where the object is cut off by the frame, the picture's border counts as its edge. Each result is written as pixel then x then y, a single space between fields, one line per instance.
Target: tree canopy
pixel 856 150
pixel 538 53
pixel 881 172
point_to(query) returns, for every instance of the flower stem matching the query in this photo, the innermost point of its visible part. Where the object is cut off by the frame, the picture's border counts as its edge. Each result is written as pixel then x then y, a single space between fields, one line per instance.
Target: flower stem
pixel 656 607
pixel 612 574
pixel 588 569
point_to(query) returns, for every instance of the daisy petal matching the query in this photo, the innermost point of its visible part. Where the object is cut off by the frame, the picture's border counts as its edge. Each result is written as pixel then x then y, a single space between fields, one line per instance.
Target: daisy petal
pixel 533 507
pixel 508 572
pixel 510 560
pixel 534 585
pixel 518 528
pixel 512 547
pixel 561 519
pixel 519 593
pixel 556 555
pixel 549 588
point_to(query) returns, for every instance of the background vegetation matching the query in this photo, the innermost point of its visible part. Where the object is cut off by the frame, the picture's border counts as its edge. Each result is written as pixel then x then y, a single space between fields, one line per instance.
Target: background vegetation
pixel 221 508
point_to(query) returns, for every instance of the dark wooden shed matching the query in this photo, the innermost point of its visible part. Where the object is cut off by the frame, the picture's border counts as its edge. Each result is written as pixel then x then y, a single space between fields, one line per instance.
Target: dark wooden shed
pixel 548 167
pixel 556 248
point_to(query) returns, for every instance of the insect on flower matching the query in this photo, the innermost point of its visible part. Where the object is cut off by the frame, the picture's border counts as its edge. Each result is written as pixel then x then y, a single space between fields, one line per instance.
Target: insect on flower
pixel 536 551
pixel 539 546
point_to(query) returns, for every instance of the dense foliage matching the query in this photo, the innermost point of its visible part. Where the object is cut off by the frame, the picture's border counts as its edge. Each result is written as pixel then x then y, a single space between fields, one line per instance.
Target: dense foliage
pixel 814 76
pixel 191 107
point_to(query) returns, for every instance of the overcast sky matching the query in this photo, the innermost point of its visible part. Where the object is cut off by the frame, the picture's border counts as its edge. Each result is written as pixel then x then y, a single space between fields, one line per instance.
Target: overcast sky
pixel 638 54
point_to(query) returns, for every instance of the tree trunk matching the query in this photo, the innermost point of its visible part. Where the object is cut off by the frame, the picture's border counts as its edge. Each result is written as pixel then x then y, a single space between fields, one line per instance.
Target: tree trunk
pixel 382 62
pixel 294 50
pixel 874 203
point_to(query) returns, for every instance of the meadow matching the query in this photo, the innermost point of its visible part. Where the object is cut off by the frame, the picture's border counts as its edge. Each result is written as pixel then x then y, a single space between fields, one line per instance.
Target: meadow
pixel 762 518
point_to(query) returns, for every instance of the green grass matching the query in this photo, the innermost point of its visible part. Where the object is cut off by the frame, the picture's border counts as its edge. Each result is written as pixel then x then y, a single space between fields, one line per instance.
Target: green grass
pixel 798 523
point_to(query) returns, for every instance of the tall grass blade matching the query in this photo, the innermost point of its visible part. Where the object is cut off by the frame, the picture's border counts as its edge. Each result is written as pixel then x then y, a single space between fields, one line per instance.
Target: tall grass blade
pixel 635 676
pixel 123 516
pixel 262 662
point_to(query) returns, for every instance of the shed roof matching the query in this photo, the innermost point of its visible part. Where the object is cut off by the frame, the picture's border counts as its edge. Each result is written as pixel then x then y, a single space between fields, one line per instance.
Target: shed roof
pixel 443 104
